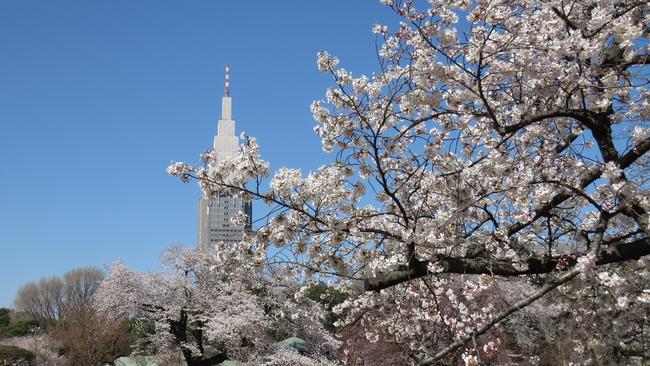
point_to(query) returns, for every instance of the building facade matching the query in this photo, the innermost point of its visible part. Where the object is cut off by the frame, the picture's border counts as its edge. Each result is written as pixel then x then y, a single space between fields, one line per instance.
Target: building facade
pixel 215 213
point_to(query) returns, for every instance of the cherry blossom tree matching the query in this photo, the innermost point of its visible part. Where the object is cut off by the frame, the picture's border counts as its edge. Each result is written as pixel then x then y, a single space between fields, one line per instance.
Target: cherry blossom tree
pixel 497 138
pixel 214 307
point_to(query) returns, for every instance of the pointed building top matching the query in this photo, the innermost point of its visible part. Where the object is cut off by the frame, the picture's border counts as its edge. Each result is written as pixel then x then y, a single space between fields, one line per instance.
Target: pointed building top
pixel 227 80
pixel 226 101
pixel 226 142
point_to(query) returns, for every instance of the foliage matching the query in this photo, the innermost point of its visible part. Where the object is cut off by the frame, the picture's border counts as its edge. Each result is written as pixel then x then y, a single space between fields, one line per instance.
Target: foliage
pixel 13 326
pixel 4 317
pixel 140 327
pixel 19 328
pixel 15 355
pixel 511 144
pixel 326 295
pixel 329 297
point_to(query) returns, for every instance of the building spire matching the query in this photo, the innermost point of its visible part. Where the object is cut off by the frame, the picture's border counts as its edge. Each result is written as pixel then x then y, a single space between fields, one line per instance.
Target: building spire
pixel 226 142
pixel 227 80
pixel 226 101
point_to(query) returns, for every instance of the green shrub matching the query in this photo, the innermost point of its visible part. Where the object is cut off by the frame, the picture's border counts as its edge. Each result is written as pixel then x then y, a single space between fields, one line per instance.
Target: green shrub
pixel 328 297
pixel 140 327
pixel 4 317
pixel 19 328
pixel 14 354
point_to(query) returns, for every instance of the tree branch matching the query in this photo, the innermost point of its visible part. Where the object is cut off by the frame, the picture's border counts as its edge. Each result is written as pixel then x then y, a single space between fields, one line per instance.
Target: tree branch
pixel 538 264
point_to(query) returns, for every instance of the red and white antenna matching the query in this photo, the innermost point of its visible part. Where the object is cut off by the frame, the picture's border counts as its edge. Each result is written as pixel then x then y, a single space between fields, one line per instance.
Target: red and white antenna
pixel 227 80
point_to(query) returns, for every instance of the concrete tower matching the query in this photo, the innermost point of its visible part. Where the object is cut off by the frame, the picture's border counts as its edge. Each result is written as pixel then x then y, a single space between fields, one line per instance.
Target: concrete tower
pixel 215 212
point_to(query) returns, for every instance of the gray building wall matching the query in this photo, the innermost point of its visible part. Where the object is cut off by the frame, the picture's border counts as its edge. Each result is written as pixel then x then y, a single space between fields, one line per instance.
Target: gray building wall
pixel 215 214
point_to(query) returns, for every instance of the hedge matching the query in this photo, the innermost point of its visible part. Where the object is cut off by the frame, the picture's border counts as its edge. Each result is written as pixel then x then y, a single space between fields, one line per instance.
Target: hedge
pixel 13 354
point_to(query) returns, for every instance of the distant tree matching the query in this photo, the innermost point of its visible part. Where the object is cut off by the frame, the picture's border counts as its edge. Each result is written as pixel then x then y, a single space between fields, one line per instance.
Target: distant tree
pixel 49 299
pixel 64 307
pixel 79 287
pixel 88 337
pixel 42 299
pixel 215 306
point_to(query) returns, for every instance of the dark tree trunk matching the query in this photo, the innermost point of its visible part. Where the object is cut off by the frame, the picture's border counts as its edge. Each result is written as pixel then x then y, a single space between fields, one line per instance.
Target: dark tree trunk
pixel 179 331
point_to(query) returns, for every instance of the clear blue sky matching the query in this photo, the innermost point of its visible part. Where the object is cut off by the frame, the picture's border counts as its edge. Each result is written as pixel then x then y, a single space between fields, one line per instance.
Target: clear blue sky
pixel 97 97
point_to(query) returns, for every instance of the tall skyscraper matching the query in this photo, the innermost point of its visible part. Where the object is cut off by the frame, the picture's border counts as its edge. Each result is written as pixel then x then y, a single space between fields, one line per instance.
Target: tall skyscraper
pixel 215 212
